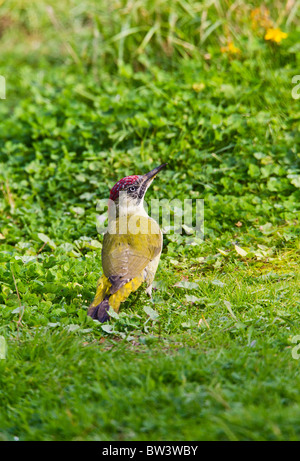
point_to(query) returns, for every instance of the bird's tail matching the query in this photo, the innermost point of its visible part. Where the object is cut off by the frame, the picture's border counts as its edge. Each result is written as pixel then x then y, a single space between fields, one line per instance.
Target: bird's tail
pixel 104 300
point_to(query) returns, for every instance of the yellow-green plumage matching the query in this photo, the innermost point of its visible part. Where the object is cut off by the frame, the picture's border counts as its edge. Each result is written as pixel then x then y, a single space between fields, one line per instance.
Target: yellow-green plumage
pixel 131 249
pixel 117 298
pixel 126 255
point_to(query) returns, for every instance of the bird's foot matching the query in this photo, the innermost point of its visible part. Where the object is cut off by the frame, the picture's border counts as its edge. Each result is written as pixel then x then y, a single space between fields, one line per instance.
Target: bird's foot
pixel 100 312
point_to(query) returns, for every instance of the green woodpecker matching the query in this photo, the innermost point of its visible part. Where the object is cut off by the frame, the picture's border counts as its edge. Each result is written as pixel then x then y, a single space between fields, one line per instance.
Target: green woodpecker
pixel 131 246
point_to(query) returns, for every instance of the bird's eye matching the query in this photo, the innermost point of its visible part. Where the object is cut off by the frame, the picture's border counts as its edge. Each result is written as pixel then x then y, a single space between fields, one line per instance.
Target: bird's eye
pixel 132 189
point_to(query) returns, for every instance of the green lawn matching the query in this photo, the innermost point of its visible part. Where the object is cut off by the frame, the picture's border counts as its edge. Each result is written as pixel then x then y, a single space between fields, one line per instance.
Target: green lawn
pixel 95 93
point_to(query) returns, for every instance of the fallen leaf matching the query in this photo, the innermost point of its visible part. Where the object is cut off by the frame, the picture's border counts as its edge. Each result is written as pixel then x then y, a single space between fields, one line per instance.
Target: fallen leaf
pixel 222 252
pixel 217 282
pixel 44 238
pixel 187 285
pixel 240 250
pixel 151 312
pixel 228 305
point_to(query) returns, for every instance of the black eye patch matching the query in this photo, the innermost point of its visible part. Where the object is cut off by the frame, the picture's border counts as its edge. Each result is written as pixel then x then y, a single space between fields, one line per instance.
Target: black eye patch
pixel 142 190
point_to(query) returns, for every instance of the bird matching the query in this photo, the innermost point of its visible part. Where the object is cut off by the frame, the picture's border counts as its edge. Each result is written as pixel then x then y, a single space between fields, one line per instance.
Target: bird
pixel 131 246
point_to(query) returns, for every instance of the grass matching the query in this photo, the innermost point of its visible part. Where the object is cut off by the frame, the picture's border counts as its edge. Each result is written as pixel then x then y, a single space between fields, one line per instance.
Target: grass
pixel 93 95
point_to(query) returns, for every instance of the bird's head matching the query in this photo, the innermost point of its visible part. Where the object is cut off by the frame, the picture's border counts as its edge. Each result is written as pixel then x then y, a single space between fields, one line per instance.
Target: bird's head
pixel 135 187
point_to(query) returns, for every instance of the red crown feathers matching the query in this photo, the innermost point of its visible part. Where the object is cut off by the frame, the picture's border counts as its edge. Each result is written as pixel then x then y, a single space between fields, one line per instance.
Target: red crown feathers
pixel 114 193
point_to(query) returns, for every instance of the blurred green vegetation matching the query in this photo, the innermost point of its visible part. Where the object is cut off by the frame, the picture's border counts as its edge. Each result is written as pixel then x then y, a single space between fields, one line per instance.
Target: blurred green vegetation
pixel 96 91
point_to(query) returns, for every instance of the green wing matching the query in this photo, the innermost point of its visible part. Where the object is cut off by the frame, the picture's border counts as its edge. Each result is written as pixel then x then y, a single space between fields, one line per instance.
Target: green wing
pixel 125 256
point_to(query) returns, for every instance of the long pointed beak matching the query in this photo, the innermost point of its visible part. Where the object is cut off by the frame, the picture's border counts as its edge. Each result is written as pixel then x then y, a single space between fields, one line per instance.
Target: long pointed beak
pixel 148 177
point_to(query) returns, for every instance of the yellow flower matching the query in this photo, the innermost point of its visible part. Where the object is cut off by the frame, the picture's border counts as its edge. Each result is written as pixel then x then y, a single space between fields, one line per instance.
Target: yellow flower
pixel 230 48
pixel 275 35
